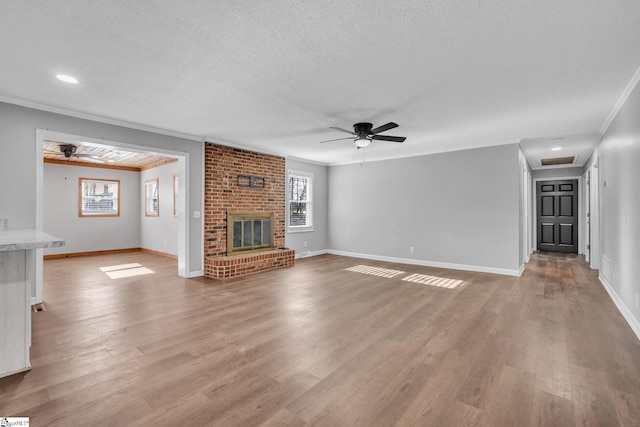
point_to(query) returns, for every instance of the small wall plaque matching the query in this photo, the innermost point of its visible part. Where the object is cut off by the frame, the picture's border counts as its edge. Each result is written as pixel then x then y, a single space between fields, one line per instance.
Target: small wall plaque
pixel 257 182
pixel 250 181
pixel 244 181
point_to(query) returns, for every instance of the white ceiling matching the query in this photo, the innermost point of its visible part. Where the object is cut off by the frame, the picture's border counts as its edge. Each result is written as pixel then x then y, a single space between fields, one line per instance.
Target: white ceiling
pixel 275 75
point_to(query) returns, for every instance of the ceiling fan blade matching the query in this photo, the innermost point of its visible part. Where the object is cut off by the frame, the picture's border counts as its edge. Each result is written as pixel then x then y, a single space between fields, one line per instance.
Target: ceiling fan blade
pixel 89 158
pixel 389 138
pixel 339 139
pixel 343 130
pixel 382 128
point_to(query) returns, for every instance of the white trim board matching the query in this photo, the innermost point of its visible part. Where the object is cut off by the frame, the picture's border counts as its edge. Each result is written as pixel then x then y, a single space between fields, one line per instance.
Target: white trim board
pixel 307 254
pixel 424 263
pixel 622 308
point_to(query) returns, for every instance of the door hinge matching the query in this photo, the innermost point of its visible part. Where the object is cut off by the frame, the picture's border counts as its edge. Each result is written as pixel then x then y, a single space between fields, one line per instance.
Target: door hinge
pixel 588 246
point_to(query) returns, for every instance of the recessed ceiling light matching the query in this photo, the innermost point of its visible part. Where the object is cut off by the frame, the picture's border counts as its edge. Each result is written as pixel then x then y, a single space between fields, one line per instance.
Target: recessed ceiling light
pixel 556 149
pixel 66 79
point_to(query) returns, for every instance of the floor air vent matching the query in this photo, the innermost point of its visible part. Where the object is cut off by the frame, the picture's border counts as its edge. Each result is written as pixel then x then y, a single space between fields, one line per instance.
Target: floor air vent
pixel 38 308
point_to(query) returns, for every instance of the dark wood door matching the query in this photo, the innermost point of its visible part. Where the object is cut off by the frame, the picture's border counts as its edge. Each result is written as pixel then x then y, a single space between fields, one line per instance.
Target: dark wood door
pixel 557 215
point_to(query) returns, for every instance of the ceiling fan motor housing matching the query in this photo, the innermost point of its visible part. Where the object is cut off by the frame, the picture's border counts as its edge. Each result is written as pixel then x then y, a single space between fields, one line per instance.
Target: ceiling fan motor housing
pixel 362 128
pixel 68 149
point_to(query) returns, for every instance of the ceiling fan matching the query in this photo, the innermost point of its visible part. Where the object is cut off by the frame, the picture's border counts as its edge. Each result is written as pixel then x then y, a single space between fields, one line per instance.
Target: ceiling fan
pixel 363 134
pixel 69 150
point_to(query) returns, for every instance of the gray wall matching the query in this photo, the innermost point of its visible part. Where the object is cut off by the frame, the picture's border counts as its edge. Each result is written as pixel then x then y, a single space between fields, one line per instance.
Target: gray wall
pixel 316 239
pixel 160 233
pixel 18 127
pixel 460 209
pixel 557 173
pixel 618 157
pixel 85 234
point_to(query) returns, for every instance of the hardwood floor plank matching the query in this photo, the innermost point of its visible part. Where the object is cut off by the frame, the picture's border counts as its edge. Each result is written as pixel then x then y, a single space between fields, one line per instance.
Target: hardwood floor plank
pixel 316 344
pixel 550 410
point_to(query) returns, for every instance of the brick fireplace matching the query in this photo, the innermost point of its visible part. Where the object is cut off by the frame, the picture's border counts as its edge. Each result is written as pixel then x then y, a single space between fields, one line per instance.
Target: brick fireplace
pixel 242 181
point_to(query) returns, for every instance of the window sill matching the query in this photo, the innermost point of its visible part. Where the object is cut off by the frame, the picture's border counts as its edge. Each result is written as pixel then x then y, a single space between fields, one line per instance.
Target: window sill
pixel 300 230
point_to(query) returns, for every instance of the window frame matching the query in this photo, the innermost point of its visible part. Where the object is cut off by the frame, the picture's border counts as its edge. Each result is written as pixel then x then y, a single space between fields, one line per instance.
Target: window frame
pixel 151 197
pixel 309 202
pixel 97 182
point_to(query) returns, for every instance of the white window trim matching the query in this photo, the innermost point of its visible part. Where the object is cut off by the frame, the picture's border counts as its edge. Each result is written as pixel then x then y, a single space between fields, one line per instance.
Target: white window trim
pixel 300 228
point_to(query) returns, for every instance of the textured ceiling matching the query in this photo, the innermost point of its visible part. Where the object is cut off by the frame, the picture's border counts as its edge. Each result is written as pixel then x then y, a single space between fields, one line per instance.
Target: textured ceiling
pixel 275 75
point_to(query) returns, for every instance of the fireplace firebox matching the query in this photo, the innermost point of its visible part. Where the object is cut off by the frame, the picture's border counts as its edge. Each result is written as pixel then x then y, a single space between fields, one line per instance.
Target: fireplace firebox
pixel 249 231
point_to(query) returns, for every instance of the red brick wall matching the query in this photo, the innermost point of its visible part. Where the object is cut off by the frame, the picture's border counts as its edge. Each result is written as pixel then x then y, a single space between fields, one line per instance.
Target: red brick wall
pixel 222 194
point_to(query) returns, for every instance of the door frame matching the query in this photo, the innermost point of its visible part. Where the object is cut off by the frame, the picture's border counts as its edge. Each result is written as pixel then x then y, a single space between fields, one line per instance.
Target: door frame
pixel 594 200
pixel 580 208
pixel 183 202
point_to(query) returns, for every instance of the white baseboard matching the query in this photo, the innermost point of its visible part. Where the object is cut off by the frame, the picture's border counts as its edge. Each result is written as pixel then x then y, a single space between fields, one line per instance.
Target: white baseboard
pixel 424 263
pixel 193 274
pixel 307 254
pixel 622 308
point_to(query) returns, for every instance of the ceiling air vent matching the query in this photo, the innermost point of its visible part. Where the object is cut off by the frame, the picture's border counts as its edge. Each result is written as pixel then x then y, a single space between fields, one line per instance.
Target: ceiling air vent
pixel 558 161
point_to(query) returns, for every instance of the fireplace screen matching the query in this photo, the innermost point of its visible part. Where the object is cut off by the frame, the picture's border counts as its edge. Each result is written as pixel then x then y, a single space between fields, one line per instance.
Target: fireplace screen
pixel 249 231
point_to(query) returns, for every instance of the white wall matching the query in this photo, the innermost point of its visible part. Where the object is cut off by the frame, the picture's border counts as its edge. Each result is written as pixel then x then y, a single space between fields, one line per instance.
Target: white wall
pixel 160 233
pixel 525 214
pixel 18 156
pixel 458 209
pixel 618 157
pixel 86 234
pixel 316 239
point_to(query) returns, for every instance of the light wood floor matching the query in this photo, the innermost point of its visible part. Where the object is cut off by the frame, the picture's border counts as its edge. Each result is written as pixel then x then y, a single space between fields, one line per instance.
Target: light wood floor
pixel 317 345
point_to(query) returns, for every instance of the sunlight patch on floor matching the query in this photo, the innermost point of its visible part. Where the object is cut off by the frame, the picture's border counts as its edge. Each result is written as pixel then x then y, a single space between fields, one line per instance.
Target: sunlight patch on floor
pixel 375 271
pixel 441 282
pixel 125 270
pixel 120 267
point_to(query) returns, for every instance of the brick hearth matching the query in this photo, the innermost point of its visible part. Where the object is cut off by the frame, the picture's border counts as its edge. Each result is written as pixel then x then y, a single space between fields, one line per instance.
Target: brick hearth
pixel 239 265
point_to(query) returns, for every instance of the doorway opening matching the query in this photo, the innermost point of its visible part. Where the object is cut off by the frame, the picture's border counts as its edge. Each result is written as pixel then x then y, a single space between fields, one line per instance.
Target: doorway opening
pixel 181 200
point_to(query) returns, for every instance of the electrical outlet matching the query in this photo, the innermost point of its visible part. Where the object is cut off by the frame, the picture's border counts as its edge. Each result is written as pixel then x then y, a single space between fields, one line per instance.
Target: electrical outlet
pixel 412 250
pixel 4 224
pixel 305 244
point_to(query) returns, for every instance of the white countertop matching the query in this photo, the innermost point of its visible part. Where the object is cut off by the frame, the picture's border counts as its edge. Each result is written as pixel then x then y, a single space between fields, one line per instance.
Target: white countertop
pixel 27 238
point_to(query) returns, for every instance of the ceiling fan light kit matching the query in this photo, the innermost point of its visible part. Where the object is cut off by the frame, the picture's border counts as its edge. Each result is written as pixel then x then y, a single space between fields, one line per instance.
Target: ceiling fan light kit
pixel 362 141
pixel 364 134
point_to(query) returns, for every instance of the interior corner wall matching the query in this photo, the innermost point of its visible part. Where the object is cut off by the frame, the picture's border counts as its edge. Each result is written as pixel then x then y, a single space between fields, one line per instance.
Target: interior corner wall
pixel 159 233
pixel 316 240
pixel 88 234
pixel 525 209
pixel 18 126
pixel 617 158
pixel 457 209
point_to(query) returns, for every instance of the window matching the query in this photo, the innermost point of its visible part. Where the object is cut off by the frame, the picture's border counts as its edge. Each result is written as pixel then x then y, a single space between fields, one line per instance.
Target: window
pixel 176 181
pixel 300 198
pixel 151 200
pixel 99 197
